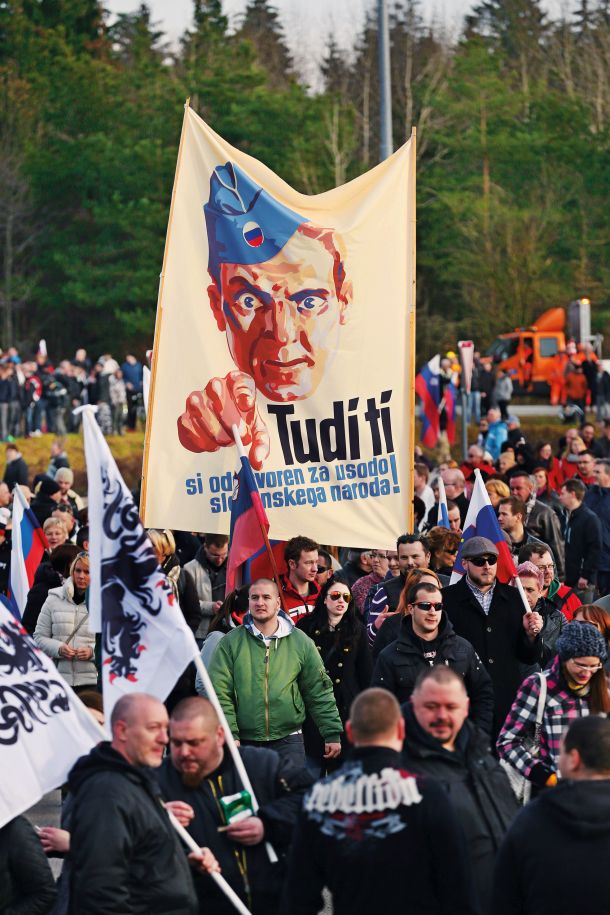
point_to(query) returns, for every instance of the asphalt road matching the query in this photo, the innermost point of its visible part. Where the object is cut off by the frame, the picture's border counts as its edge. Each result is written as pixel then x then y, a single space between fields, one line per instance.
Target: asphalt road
pixel 47 812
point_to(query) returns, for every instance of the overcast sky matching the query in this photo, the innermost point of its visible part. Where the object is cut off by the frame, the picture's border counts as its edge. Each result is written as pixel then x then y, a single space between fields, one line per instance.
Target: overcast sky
pixel 307 23
pixel 312 17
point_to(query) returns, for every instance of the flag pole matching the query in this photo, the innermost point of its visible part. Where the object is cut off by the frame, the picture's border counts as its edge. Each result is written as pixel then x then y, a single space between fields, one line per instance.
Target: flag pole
pixel 220 881
pixel 276 575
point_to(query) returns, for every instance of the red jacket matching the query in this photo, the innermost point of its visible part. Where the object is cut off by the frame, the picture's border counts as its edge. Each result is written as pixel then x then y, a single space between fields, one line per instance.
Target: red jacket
pixel 565 599
pixel 295 605
pixel 487 470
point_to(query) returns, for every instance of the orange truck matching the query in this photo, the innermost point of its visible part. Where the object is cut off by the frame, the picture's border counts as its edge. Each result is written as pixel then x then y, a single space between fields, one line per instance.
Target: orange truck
pixel 535 356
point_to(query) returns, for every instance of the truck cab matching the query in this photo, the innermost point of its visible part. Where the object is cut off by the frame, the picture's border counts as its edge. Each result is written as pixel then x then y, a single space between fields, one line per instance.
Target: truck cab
pixel 528 354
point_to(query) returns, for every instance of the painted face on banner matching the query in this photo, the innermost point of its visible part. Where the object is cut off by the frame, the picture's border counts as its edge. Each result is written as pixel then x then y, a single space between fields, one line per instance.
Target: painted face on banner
pixel 282 317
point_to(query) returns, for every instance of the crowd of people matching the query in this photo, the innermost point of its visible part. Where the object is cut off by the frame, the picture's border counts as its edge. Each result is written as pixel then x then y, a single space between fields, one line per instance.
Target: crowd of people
pixel 37 395
pixel 578 381
pixel 382 713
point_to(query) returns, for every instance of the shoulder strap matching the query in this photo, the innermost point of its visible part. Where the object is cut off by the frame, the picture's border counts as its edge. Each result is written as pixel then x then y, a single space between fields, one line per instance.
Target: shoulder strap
pixel 77 627
pixel 562 601
pixel 541 699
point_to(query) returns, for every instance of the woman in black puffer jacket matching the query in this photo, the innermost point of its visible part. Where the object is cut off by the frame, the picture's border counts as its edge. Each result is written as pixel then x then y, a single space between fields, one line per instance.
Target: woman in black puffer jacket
pixel 341 639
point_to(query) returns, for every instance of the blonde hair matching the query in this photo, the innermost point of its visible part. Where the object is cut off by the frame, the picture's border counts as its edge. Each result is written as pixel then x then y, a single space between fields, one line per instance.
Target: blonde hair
pixel 162 541
pixel 498 487
pixel 55 522
pixel 570 448
pixel 80 557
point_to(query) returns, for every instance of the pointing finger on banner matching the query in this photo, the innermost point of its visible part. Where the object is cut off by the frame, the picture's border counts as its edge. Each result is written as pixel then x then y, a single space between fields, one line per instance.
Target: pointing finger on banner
pixel 252 429
pixel 259 450
pixel 206 423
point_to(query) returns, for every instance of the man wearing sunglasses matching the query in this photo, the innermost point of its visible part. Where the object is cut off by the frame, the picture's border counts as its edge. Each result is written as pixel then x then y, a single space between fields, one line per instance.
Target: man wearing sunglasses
pixel 490 615
pixel 427 638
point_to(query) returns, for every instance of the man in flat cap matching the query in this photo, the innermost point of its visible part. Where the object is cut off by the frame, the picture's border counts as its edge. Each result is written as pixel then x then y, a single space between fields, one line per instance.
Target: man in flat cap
pixel 491 616
pixel 280 294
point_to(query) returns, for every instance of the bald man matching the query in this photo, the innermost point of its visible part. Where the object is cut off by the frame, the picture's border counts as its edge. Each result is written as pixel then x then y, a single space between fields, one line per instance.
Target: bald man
pixel 125 855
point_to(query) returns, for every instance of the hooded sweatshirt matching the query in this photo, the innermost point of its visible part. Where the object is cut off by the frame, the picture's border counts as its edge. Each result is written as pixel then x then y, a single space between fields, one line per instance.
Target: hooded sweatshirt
pixel 553 859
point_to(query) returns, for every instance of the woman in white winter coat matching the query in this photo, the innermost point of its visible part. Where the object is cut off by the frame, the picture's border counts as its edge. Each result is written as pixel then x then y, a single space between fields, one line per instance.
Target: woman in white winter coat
pixel 63 630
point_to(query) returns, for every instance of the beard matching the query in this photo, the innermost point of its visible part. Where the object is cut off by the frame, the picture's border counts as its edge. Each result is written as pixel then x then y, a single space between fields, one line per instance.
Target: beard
pixel 191 779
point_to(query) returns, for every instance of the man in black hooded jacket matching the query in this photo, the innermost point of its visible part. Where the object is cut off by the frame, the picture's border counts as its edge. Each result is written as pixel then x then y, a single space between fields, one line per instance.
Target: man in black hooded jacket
pixel 125 855
pixel 443 743
pixel 553 858
pixel 381 839
pixel 427 638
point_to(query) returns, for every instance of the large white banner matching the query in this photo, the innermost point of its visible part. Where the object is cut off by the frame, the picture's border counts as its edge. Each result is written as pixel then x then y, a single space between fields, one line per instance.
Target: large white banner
pixel 146 643
pixel 292 317
pixel 44 728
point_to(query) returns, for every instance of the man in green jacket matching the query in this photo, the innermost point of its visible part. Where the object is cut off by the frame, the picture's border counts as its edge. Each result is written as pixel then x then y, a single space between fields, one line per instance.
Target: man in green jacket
pixel 268 676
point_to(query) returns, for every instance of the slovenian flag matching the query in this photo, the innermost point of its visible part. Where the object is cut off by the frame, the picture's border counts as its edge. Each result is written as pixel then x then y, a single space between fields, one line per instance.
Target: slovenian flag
pixel 428 387
pixel 248 520
pixel 29 544
pixel 481 521
pixel 443 511
pixel 259 565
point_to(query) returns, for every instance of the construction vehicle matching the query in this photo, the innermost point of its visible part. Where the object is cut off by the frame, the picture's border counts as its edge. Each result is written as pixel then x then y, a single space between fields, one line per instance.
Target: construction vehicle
pixel 530 354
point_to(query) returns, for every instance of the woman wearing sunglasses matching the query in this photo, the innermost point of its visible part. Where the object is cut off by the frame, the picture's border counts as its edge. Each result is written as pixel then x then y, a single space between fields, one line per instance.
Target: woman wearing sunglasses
pixel 340 637
pixel 575 687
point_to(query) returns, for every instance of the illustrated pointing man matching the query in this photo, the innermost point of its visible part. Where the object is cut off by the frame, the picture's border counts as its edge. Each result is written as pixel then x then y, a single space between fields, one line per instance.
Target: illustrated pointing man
pixel 280 293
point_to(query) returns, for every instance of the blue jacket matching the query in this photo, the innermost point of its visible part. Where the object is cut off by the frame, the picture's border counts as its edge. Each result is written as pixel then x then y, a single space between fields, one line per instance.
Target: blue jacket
pixel 496 436
pixel 133 375
pixel 597 499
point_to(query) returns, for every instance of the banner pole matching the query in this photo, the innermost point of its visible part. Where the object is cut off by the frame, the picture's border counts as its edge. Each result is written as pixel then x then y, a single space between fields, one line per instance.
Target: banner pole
pixel 464 397
pixel 410 481
pixel 222 884
pixel 276 575
pixel 158 322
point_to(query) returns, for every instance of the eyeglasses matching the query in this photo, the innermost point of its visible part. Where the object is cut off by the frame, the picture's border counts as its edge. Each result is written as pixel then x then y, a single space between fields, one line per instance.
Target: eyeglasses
pixel 322 569
pixel 585 667
pixel 340 595
pixel 377 554
pixel 428 605
pixel 480 561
